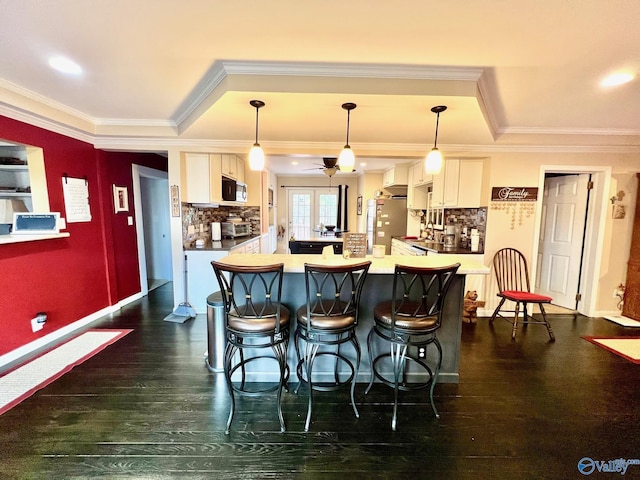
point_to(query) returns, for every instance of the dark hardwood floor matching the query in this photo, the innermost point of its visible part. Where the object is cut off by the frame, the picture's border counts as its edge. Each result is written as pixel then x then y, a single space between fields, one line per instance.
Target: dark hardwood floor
pixel 147 408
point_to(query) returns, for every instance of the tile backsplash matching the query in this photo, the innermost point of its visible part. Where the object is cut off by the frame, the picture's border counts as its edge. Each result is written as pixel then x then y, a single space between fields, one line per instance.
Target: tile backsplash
pixel 205 216
pixel 470 218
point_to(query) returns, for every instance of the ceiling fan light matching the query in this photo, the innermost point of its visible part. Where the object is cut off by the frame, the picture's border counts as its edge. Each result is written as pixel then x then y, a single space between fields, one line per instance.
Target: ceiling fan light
pixel 433 162
pixel 256 157
pixel 346 160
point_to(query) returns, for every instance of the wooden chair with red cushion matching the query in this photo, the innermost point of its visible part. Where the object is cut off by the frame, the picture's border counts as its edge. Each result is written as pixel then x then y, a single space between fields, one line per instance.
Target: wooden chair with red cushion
pixel 512 275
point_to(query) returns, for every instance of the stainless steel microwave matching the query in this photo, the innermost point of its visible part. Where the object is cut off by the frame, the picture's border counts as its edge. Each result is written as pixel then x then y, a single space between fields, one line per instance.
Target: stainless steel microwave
pixel 241 192
pixel 228 189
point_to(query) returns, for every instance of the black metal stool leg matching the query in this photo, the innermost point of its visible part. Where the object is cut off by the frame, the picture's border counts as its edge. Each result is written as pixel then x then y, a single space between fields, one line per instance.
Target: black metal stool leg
pixel 434 379
pixel 356 345
pixel 371 359
pixel 229 354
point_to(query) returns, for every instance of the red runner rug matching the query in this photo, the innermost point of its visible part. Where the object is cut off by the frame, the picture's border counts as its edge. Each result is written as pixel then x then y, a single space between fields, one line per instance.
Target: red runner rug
pixel 26 379
pixel 626 347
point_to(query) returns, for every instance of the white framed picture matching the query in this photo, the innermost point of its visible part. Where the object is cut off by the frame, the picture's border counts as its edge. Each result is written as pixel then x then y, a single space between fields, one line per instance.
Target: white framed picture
pixel 120 199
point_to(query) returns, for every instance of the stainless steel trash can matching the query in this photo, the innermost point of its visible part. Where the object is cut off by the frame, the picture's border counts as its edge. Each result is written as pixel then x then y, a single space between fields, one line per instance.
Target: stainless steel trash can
pixel 216 339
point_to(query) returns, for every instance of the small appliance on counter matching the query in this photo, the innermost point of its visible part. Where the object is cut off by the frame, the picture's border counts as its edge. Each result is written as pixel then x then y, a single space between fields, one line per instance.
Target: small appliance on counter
pixel 235 229
pixel 451 237
pixel 448 241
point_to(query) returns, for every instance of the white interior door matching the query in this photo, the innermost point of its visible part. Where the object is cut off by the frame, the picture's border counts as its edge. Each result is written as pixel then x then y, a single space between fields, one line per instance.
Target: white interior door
pixel 560 245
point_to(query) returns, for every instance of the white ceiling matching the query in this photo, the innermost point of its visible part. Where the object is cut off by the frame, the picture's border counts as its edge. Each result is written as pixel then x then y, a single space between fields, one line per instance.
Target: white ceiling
pixel 514 74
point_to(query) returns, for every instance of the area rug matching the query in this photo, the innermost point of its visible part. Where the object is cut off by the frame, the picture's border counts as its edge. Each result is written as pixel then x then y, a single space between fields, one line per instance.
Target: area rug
pixel 25 380
pixel 624 321
pixel 626 347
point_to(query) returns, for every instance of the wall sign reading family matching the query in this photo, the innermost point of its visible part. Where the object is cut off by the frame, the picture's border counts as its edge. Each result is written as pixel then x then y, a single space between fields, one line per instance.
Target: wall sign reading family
pixel 514 194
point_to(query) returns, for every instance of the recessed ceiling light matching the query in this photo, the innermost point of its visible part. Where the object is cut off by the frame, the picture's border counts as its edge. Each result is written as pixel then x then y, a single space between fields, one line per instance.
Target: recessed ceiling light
pixel 363 164
pixel 617 79
pixel 294 163
pixel 65 65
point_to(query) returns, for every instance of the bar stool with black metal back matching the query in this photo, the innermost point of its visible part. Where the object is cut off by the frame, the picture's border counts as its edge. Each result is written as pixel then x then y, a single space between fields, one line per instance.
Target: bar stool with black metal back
pixel 512 276
pixel 409 323
pixel 255 321
pixel 327 322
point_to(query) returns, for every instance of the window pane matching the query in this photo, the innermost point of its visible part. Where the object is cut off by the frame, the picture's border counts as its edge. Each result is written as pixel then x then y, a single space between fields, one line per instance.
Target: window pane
pixel 301 215
pixel 328 208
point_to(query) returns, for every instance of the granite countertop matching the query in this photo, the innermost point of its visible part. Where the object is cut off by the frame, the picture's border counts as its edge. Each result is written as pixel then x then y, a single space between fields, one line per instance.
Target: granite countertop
pixel 438 247
pixel 224 245
pixel 385 265
pixel 324 238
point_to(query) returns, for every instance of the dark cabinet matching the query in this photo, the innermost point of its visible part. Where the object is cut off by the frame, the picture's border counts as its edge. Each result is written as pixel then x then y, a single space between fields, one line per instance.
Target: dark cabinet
pixel 304 247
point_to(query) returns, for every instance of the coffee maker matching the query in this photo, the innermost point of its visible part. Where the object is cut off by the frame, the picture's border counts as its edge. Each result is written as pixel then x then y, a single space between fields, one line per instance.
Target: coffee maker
pixel 451 237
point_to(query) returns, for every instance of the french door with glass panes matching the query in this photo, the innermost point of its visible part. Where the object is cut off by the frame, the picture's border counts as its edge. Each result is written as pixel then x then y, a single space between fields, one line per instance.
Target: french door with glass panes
pixel 309 208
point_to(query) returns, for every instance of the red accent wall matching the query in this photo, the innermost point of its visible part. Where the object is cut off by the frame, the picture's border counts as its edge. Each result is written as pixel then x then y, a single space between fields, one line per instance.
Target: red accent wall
pixel 97 266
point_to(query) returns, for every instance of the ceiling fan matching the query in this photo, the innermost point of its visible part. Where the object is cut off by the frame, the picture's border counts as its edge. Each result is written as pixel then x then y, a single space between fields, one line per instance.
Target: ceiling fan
pixel 329 166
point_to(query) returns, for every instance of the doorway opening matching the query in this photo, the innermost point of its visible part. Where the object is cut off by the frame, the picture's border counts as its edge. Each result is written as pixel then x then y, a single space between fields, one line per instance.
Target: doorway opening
pixel 151 203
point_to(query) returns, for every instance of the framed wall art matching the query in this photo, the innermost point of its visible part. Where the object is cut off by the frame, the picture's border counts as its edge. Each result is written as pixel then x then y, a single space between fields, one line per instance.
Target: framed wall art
pixel 120 199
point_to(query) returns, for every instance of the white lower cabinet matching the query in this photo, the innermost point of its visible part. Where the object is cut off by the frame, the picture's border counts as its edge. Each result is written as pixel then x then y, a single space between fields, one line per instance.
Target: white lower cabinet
pixel 398 247
pixel 201 281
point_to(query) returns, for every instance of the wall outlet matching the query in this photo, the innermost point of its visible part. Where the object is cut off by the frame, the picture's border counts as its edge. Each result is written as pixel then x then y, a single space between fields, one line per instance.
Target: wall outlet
pixel 422 352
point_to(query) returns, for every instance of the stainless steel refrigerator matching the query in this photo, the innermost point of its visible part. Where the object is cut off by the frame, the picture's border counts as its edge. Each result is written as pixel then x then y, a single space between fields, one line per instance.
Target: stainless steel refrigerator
pixel 386 218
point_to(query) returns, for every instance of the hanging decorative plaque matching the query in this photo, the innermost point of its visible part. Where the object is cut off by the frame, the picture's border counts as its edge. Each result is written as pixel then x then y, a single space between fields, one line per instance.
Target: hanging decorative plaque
pixel 514 194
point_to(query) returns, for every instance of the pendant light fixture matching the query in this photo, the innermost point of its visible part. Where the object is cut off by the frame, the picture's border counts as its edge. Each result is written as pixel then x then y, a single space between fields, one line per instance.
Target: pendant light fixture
pixel 256 154
pixel 433 161
pixel 347 160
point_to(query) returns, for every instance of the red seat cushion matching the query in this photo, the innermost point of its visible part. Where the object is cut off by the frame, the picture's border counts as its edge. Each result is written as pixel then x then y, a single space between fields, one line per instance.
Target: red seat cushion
pixel 518 296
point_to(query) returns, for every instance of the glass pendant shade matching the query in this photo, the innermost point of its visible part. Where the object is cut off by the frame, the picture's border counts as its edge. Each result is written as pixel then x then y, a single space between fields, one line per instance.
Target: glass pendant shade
pixel 256 157
pixel 346 160
pixel 433 162
pixel 256 154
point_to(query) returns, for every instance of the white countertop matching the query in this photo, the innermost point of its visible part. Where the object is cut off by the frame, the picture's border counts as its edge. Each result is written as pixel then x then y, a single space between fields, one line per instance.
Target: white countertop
pixel 385 265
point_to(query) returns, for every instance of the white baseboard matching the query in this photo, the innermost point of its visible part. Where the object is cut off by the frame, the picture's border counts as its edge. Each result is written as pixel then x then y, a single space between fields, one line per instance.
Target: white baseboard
pixel 52 338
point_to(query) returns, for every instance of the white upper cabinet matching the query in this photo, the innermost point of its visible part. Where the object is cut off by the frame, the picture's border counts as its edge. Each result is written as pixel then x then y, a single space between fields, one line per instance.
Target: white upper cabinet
pixel 396 176
pixel 416 188
pixel 201 178
pixel 470 183
pixel 445 184
pixel 459 184
pixel 420 176
pixel 233 167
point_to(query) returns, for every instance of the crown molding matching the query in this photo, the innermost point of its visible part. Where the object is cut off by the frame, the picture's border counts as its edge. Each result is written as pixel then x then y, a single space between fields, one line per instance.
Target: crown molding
pixel 320 69
pixel 46 101
pixel 384 148
pixel 46 123
pixel 135 122
pixel 568 131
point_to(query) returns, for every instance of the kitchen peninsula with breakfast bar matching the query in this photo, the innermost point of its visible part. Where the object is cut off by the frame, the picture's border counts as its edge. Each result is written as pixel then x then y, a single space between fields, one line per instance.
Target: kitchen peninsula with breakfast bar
pixel 377 287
